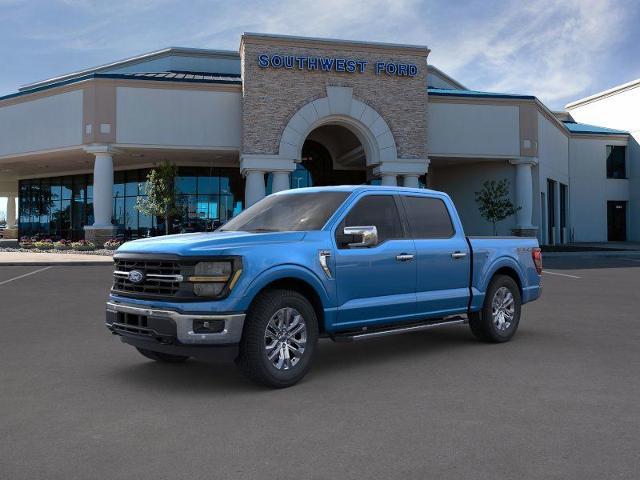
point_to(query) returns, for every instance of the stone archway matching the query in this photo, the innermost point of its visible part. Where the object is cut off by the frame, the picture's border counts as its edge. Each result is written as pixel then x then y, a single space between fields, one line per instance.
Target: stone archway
pixel 340 108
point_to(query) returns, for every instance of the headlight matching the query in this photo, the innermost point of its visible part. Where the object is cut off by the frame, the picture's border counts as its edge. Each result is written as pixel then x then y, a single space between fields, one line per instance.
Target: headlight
pixel 210 278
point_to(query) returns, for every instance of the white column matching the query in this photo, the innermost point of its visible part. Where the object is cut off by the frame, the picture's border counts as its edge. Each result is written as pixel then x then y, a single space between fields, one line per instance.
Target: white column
pixel 103 189
pixel 389 179
pixel 254 189
pixel 11 212
pixel 280 181
pixel 524 192
pixel 411 181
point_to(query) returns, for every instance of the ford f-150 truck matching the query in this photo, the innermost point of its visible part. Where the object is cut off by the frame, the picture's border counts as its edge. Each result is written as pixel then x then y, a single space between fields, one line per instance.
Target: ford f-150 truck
pixel 344 262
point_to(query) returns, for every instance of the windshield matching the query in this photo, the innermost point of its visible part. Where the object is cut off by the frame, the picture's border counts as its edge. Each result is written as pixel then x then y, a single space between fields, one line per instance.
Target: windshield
pixel 281 213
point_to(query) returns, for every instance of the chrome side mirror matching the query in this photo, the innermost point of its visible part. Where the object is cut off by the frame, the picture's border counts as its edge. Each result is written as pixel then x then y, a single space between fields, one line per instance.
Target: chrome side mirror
pixel 368 235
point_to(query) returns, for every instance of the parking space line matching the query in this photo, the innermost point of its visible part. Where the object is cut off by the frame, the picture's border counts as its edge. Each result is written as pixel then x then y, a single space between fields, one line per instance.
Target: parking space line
pixel 561 274
pixel 25 275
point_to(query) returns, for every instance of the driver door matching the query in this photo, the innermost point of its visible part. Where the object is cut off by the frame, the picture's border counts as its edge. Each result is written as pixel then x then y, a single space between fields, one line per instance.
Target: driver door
pixel 375 284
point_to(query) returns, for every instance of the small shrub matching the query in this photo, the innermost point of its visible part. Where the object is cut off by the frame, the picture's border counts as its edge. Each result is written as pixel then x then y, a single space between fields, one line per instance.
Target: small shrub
pixel 62 245
pixel 46 244
pixel 26 242
pixel 112 244
pixel 83 245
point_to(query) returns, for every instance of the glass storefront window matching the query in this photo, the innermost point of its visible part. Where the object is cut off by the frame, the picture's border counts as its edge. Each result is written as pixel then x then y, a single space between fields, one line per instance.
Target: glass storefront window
pixel 60 207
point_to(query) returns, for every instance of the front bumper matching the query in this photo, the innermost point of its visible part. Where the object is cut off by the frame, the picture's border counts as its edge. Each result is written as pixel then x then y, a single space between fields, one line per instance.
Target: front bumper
pixel 170 327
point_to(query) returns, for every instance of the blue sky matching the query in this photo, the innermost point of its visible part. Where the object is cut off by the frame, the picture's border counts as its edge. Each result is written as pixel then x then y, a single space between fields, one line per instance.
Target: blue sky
pixel 559 51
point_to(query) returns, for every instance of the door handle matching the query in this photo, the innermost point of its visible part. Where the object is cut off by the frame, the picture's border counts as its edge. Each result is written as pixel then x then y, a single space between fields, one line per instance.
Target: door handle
pixel 457 255
pixel 404 257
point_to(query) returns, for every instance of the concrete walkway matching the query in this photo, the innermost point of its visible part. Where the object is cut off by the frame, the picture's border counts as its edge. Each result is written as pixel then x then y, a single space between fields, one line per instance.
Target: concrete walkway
pixel 33 258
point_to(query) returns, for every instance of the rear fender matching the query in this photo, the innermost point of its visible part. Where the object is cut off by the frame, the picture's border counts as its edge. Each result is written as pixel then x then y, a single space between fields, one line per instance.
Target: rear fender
pixel 484 276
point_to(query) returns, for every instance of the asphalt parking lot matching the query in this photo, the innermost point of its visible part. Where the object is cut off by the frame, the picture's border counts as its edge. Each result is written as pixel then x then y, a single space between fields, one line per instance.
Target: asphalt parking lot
pixel 559 401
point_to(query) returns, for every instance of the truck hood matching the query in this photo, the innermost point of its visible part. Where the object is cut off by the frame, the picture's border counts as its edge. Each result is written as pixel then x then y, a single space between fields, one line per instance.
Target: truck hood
pixel 207 243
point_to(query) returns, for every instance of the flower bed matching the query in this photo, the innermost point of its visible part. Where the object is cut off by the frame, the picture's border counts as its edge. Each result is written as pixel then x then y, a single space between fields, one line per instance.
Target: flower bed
pixel 83 246
pixel 26 243
pixel 112 244
pixel 46 245
pixel 43 244
pixel 63 245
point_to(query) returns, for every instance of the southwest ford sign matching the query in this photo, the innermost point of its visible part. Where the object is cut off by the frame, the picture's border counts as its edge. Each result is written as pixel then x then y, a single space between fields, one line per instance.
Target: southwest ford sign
pixel 334 64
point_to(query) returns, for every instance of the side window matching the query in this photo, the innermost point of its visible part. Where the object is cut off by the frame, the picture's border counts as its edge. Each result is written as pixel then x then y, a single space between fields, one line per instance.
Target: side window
pixel 428 217
pixel 379 211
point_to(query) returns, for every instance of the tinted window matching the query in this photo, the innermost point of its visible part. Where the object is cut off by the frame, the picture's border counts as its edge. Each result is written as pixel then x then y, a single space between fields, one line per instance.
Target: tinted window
pixel 616 167
pixel 280 213
pixel 379 211
pixel 428 217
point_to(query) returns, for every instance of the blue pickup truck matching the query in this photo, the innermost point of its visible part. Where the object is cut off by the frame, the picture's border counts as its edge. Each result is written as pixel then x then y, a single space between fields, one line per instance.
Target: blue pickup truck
pixel 347 263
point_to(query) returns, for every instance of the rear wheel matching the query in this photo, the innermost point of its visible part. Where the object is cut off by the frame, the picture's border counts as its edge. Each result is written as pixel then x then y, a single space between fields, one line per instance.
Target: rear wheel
pixel 279 338
pixel 162 357
pixel 500 315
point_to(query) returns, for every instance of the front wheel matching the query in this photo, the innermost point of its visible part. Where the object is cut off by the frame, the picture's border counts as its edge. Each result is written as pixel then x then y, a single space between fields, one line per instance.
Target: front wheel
pixel 498 320
pixel 279 338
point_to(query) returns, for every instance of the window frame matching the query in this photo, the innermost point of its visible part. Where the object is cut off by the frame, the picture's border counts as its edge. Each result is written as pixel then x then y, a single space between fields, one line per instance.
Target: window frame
pixel 340 224
pixel 625 164
pixel 454 230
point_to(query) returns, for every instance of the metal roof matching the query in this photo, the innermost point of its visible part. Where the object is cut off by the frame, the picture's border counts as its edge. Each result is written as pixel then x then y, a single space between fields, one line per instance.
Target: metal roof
pixel 475 93
pixel 186 77
pixel 135 60
pixel 585 128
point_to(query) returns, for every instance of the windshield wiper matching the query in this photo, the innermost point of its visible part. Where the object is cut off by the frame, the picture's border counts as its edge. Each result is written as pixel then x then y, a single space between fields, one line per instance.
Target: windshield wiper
pixel 258 230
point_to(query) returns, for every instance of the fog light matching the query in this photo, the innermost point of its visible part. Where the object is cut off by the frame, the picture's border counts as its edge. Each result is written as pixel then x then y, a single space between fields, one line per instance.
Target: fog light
pixel 208 289
pixel 208 326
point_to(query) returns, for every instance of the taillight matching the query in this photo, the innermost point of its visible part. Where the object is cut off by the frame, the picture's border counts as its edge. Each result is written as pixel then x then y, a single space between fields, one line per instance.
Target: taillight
pixel 536 255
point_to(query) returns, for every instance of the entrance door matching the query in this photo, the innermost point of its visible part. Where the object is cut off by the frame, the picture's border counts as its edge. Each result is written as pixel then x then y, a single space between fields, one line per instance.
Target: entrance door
pixel 376 284
pixel 551 211
pixel 617 221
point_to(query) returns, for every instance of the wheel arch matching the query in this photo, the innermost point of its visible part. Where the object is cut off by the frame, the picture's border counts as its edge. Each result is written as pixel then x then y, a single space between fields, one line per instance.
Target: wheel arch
pixel 304 289
pixel 505 266
pixel 297 279
pixel 509 272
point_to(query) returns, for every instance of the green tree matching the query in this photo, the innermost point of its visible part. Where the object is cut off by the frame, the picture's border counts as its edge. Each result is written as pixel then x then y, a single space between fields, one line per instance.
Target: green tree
pixel 161 196
pixel 494 202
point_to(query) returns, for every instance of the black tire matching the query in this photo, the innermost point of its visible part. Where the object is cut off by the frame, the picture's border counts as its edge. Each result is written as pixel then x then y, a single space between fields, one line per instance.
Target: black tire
pixel 253 359
pixel 162 357
pixel 482 323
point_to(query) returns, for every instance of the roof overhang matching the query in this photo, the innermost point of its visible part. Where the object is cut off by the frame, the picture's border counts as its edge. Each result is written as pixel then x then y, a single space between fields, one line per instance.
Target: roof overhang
pixel 145 57
pixel 605 93
pixel 419 50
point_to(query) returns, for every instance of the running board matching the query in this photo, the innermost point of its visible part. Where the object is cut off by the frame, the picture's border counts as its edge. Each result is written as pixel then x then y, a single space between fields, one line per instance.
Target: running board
pixel 383 332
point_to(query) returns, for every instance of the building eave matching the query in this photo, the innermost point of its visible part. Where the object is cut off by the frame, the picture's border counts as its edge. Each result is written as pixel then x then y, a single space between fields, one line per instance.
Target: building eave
pixel 410 49
pixel 605 93
pixel 116 76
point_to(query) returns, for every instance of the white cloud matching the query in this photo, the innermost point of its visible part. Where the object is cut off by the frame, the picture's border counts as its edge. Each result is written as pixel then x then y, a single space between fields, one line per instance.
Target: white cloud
pixel 548 48
pixel 545 48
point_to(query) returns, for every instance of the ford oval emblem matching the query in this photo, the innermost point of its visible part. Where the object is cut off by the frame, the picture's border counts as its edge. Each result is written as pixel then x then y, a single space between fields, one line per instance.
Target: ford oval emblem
pixel 136 276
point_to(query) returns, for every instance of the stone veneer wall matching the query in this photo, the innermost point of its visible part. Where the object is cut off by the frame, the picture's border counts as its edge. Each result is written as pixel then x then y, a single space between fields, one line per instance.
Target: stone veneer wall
pixel 271 96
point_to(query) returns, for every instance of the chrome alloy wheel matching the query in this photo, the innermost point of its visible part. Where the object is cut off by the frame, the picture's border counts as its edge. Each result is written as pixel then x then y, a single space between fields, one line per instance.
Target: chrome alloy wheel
pixel 285 338
pixel 503 309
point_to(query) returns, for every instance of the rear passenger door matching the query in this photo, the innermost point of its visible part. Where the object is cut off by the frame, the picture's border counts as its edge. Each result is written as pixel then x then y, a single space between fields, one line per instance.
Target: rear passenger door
pixel 442 254
pixel 376 284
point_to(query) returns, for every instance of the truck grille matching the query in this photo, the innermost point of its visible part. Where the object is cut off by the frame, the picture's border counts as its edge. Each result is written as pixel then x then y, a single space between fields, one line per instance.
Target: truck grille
pixel 161 277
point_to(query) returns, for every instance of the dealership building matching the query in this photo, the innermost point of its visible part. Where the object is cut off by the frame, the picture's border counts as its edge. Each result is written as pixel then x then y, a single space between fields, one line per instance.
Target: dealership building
pixel 287 112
